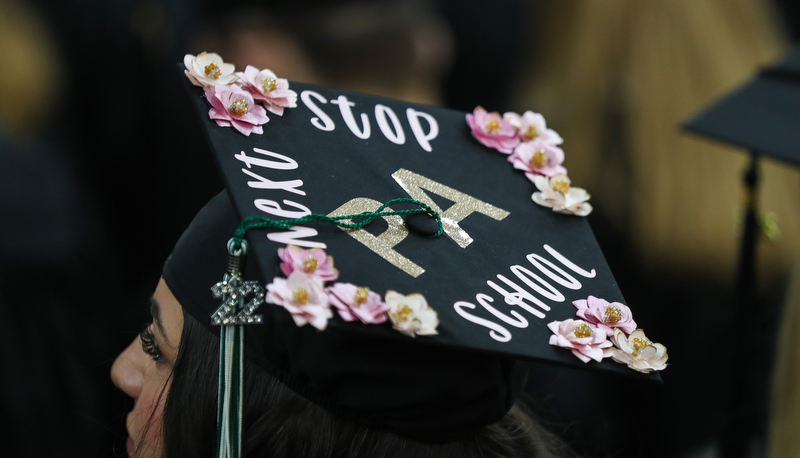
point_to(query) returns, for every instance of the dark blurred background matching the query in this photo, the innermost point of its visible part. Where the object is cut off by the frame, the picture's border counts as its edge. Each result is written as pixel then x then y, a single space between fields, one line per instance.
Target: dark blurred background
pixel 102 167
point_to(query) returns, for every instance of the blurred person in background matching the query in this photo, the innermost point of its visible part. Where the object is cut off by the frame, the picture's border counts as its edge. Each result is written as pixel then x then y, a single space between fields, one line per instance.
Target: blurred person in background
pixel 397 49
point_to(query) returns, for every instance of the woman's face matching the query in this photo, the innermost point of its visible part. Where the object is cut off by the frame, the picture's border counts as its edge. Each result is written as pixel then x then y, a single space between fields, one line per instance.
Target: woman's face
pixel 143 372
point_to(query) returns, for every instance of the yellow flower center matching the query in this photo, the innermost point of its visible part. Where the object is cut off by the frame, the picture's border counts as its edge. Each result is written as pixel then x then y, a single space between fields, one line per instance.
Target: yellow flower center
pixel 269 84
pixel 362 294
pixel 492 127
pixel 531 134
pixel 212 71
pixel 560 184
pixel 239 107
pixel 583 330
pixel 310 264
pixel 639 344
pixel 613 314
pixel 539 159
pixel 300 296
pixel 403 313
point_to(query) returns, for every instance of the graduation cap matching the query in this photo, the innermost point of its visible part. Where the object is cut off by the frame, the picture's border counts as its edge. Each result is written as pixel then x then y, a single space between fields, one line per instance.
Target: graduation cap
pixel 480 296
pixel 761 116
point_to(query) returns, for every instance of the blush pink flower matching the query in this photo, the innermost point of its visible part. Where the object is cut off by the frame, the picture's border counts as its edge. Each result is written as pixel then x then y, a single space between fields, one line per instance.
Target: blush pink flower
pixel 304 297
pixel 491 130
pixel 638 352
pixel 537 158
pixel 555 192
pixel 357 303
pixel 268 88
pixel 604 315
pixel 233 106
pixel 532 127
pixel 586 342
pixel 207 70
pixel 313 262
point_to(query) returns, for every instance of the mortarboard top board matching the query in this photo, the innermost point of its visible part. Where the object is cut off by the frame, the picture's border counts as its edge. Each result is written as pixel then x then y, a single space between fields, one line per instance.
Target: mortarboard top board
pixel 504 268
pixel 760 116
pixel 341 152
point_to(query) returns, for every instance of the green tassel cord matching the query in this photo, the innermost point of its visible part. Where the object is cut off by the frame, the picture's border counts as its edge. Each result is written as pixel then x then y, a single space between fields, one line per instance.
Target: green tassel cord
pixel 259 222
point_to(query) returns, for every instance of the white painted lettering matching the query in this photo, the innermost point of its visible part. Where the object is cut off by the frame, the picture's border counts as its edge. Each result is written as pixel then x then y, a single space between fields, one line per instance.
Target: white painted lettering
pixel 326 123
pixel 522 294
pixel 294 235
pixel 568 281
pixel 519 297
pixel 274 208
pixel 396 135
pixel 519 322
pixel 570 265
pixel 286 163
pixel 498 332
pixel 265 183
pixel 527 276
pixel 277 161
pixel 523 298
pixel 423 139
pixel 345 107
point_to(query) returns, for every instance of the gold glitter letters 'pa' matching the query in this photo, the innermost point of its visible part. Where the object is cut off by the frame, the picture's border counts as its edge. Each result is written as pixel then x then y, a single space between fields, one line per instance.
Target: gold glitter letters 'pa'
pixel 464 206
pixel 384 243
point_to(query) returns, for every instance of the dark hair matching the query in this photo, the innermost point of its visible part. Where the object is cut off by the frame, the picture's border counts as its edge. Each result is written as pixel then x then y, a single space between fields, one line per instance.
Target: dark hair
pixel 279 423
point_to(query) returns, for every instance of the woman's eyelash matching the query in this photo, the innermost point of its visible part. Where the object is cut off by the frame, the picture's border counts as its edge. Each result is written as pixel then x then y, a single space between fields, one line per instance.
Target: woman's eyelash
pixel 149 343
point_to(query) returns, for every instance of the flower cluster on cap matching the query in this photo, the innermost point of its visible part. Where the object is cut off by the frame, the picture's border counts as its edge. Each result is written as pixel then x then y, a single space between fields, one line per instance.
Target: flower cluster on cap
pixel 607 329
pixel 533 148
pixel 234 95
pixel 304 295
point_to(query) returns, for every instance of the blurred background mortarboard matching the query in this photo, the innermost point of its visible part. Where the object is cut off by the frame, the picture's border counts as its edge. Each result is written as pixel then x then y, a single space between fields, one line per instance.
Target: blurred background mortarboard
pixel 762 117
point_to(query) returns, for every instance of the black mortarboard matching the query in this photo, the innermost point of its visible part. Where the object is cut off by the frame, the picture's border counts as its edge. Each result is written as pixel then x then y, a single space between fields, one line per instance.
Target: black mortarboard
pixel 503 270
pixel 761 116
